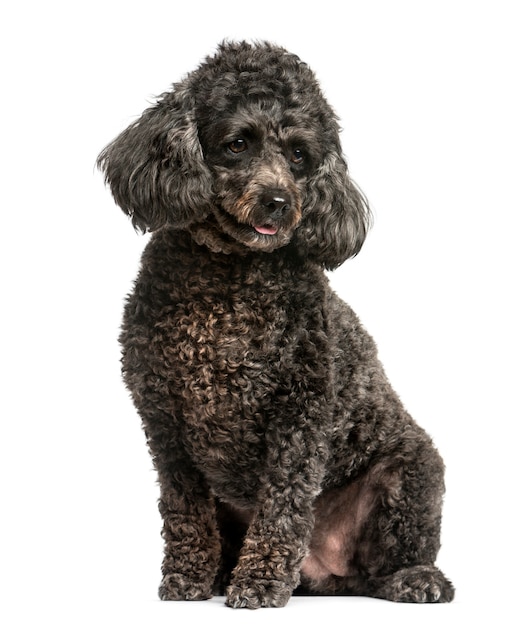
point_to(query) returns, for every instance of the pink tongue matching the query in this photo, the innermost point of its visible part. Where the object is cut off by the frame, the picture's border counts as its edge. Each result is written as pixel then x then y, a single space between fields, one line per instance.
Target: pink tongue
pixel 266 230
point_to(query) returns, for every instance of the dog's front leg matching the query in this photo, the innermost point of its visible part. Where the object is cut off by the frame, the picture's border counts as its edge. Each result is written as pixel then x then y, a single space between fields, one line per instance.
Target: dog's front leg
pixel 278 537
pixel 192 543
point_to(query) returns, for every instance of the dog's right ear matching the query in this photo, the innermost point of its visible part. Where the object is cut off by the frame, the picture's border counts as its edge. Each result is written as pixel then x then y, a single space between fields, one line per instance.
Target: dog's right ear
pixel 155 168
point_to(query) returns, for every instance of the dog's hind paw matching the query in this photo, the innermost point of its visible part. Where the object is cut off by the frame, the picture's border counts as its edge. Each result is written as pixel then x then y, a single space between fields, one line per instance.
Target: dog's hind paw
pixel 177 587
pixel 257 594
pixel 422 583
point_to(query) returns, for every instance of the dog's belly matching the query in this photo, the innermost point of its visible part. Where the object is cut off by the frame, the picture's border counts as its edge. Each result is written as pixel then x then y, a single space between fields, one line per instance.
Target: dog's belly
pixel 340 516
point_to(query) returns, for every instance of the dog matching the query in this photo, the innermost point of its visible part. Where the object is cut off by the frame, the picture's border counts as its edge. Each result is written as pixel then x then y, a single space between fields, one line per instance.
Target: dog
pixel 286 461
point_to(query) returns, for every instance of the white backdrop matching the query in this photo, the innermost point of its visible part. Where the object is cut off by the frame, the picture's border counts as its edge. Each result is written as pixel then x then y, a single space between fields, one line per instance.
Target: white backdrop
pixel 435 101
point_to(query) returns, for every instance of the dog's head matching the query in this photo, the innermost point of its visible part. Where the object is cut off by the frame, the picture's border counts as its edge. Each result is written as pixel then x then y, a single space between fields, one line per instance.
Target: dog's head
pixel 245 151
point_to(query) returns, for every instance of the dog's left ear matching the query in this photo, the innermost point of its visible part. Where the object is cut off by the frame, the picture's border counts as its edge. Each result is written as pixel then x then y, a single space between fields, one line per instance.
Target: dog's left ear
pixel 336 215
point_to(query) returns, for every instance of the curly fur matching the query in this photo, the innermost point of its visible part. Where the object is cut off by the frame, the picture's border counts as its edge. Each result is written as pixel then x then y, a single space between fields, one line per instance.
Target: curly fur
pixel 285 459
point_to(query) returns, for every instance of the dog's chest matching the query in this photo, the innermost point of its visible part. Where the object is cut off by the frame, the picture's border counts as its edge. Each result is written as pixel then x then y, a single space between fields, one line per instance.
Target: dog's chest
pixel 226 349
pixel 224 352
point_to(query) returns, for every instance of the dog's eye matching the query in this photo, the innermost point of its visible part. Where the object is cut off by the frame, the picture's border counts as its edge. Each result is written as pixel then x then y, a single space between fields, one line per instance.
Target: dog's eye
pixel 238 145
pixel 297 157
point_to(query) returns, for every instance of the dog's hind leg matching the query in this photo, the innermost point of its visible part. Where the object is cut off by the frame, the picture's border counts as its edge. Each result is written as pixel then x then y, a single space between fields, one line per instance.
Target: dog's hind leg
pixel 419 583
pixel 402 534
pixel 379 534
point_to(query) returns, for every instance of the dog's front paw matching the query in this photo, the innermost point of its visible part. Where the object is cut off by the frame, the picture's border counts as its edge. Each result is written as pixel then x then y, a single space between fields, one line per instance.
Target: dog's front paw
pixel 255 594
pixel 178 587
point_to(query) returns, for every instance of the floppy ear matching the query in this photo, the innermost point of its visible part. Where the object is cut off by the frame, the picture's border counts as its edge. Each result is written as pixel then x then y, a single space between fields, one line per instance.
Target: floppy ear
pixel 155 168
pixel 336 215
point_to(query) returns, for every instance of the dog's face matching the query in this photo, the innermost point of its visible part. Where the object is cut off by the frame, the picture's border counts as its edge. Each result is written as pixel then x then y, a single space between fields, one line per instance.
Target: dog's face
pixel 261 160
pixel 244 153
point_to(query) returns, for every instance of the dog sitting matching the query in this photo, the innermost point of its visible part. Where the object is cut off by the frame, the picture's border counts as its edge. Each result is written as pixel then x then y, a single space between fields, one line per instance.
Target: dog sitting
pixel 286 462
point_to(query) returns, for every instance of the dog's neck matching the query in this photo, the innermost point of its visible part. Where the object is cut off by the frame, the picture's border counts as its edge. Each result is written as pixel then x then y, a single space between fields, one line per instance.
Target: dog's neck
pixel 175 252
pixel 208 234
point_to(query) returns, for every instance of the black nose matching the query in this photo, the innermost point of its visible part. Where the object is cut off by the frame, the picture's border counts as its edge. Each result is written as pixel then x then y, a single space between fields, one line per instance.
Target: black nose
pixel 277 203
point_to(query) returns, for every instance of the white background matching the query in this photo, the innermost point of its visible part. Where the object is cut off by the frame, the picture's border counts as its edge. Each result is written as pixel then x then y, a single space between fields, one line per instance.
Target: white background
pixel 435 102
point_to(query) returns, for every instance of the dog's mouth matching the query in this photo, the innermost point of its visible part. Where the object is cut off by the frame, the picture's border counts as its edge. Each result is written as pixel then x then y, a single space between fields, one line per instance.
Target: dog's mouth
pixel 266 229
pixel 266 236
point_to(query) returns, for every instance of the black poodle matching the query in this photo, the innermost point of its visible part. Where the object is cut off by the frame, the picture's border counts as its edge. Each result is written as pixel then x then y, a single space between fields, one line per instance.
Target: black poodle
pixel 285 459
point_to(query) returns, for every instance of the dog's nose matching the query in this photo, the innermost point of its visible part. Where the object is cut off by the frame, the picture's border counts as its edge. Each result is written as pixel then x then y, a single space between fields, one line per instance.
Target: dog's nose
pixel 277 203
